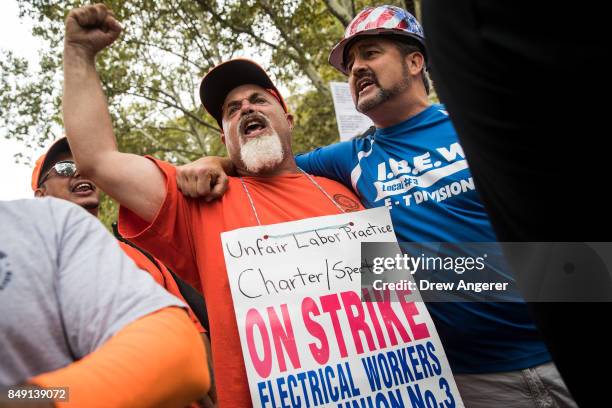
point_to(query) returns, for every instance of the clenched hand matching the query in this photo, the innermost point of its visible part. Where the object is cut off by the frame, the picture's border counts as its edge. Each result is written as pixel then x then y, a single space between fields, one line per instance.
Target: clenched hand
pixel 205 177
pixel 91 29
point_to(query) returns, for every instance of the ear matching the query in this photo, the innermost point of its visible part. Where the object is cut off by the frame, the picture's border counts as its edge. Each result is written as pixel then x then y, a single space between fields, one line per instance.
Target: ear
pixel 416 62
pixel 223 137
pixel 40 192
pixel 289 118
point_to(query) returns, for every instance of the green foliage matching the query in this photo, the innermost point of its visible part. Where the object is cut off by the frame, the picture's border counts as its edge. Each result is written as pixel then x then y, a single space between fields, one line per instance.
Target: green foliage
pixel 108 211
pixel 28 107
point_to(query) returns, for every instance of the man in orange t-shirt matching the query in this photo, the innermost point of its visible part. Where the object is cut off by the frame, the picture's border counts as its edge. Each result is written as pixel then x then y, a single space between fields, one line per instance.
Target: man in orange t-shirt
pixel 183 232
pixel 70 186
pixel 186 235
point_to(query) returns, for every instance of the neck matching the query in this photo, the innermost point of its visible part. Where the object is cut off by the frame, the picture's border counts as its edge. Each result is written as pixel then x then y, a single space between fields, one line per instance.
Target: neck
pixel 398 109
pixel 92 210
pixel 287 166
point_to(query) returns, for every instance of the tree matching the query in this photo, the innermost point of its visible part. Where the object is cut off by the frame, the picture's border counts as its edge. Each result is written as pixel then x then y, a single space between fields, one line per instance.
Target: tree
pixel 151 74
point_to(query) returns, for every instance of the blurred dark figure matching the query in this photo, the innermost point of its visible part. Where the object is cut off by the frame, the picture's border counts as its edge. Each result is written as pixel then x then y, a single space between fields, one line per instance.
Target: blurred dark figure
pixel 525 85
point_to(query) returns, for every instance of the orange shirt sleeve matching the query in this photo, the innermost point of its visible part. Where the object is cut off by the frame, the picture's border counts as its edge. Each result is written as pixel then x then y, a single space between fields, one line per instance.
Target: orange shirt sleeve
pixel 156 361
pixel 161 275
pixel 169 236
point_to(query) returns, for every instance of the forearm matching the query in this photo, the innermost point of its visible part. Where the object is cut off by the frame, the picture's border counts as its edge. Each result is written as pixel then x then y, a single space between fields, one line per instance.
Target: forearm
pixel 87 120
pixel 133 181
pixel 156 361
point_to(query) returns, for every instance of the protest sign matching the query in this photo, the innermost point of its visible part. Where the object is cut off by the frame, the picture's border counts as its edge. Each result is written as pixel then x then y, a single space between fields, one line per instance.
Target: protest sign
pixel 351 123
pixel 307 338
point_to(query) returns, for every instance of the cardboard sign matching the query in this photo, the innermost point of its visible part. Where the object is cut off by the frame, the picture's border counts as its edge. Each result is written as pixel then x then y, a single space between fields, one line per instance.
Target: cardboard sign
pixel 307 338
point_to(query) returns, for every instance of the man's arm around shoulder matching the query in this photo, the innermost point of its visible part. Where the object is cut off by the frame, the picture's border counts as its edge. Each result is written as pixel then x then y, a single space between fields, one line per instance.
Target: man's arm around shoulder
pixel 334 162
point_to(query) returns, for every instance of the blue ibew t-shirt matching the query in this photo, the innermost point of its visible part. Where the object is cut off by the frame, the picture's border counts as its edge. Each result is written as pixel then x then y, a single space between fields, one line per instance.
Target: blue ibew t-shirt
pixel 418 169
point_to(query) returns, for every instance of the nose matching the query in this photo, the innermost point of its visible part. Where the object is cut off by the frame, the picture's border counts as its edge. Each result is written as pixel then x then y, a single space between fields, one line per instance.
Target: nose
pixel 358 66
pixel 245 108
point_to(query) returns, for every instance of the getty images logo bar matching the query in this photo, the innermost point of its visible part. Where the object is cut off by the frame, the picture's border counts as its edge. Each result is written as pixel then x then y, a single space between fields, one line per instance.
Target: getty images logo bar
pixel 491 271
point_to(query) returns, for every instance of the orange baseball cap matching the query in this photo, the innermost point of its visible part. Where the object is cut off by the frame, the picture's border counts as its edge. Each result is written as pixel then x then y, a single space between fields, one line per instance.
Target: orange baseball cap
pixel 44 162
pixel 231 74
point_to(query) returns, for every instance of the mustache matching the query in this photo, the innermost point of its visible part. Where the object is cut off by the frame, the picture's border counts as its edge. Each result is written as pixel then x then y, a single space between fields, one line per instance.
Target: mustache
pixel 365 74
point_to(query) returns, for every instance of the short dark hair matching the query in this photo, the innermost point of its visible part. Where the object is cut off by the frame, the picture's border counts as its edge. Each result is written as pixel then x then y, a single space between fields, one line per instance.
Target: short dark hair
pixel 408 46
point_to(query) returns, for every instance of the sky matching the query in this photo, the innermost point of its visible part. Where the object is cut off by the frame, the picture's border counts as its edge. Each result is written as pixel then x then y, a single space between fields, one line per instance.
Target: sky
pixel 15 35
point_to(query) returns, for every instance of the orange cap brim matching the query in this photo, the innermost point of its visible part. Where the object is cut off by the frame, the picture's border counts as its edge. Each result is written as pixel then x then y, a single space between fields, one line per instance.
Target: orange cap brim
pixel 44 162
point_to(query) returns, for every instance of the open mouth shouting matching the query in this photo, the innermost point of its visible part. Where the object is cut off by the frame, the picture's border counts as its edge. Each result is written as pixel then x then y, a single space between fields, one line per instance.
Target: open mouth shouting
pixel 253 125
pixel 83 188
pixel 364 84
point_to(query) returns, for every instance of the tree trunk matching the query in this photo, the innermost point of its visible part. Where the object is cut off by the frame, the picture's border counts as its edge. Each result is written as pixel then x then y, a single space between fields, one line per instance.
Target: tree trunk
pixel 343 10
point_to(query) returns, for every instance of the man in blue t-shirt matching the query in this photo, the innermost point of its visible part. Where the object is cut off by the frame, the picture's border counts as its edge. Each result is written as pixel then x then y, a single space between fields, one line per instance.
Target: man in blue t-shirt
pixel 413 163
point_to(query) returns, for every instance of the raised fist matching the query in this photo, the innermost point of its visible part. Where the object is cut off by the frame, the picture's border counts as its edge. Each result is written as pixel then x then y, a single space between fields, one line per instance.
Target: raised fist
pixel 91 28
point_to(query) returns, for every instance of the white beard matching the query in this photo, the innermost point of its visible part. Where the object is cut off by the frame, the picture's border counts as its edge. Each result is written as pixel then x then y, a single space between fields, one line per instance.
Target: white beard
pixel 264 152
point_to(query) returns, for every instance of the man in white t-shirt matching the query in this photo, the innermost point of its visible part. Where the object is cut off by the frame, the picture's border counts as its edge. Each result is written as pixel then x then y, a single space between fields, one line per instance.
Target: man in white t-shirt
pixel 77 313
